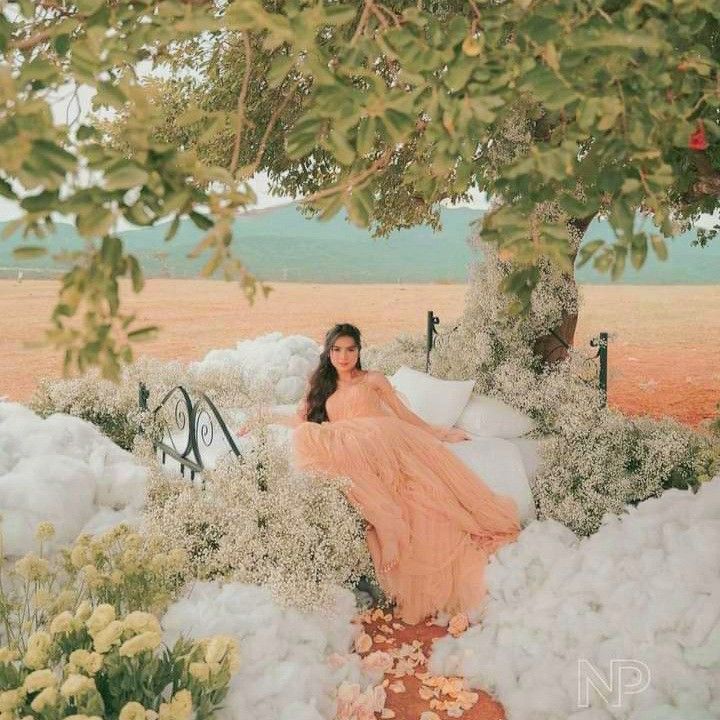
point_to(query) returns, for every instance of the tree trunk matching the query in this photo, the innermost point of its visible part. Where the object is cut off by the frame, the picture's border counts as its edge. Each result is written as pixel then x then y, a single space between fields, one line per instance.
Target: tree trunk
pixel 553 347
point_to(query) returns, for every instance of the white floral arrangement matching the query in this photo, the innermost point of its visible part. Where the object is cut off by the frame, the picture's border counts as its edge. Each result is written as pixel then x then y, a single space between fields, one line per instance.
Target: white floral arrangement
pixel 256 520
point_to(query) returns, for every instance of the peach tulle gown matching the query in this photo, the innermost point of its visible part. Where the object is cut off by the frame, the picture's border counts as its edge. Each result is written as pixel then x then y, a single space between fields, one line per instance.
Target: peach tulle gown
pixel 427 512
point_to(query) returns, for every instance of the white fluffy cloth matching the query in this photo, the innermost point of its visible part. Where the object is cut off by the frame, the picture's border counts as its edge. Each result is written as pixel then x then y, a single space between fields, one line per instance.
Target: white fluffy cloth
pixel 65 471
pixel 284 363
pixel 284 671
pixel 645 587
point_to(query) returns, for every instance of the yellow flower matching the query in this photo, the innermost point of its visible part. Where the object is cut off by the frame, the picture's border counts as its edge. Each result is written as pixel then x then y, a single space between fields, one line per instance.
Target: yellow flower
pixel 80 556
pixel 140 643
pixel 84 611
pixel 179 708
pixel 218 647
pixel 7 655
pixel 102 616
pixel 82 717
pixel 92 576
pixel 109 636
pixel 45 531
pixel 86 661
pixel 39 679
pixel 200 671
pixel 10 699
pixel 32 567
pixel 61 623
pixel 76 685
pixel 37 650
pixel 132 711
pixel 140 622
pixel 47 697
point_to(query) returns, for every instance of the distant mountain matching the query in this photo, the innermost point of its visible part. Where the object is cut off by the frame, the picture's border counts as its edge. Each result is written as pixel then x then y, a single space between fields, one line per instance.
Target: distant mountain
pixel 281 244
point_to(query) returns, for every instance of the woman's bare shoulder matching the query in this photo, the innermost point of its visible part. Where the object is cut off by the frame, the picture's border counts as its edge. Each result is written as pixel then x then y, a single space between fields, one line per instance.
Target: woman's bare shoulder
pixel 375 377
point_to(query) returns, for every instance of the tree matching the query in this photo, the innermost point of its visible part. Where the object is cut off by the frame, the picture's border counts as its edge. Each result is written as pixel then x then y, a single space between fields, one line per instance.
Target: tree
pixel 585 107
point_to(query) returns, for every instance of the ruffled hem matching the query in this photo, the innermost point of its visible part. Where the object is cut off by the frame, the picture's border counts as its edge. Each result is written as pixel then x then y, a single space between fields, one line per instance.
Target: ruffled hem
pixel 425 508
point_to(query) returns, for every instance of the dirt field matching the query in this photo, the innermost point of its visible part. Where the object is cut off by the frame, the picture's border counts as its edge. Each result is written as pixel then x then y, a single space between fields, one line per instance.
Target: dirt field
pixel 663 354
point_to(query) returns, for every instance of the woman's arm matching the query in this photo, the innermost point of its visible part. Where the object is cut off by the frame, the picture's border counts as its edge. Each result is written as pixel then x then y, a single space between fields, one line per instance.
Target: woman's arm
pixel 390 397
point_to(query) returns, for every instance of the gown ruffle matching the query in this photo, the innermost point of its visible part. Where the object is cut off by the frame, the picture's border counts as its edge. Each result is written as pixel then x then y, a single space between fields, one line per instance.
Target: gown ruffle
pixel 427 512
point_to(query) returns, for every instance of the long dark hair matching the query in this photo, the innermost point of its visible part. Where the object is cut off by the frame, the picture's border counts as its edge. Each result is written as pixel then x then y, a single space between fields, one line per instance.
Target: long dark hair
pixel 323 381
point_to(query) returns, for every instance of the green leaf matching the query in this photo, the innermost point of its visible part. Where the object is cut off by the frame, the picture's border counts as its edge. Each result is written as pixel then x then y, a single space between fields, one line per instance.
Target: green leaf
pixel 339 14
pixel 126 175
pixel 659 246
pixel 366 135
pixel 201 221
pixel 172 230
pixel 638 251
pixel 95 222
pixel 337 143
pixel 190 115
pixel 588 250
pixel 28 252
pixel 146 333
pixel 88 7
pixel 619 265
pixel 136 274
pixel 52 153
pixel 44 201
pixel 279 68
pixel 397 124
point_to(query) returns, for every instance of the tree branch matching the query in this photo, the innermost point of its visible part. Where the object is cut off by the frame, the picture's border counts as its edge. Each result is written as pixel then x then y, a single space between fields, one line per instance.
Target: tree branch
pixel 239 127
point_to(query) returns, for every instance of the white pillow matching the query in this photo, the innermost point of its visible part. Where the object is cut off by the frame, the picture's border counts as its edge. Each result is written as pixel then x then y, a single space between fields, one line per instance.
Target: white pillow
pixel 490 417
pixel 436 401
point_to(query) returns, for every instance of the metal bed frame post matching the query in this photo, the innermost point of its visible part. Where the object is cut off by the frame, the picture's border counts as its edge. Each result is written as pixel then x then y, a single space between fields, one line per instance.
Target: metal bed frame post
pixel 600 342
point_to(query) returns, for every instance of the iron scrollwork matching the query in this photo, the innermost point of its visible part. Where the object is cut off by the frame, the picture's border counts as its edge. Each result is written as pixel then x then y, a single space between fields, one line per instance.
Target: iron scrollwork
pixel 195 421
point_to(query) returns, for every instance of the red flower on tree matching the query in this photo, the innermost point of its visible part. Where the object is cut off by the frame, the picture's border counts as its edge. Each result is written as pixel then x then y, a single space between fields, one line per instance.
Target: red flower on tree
pixel 698 139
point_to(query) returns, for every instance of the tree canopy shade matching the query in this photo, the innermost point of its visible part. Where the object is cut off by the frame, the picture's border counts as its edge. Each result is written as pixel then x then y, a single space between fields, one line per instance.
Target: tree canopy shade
pixel 559 109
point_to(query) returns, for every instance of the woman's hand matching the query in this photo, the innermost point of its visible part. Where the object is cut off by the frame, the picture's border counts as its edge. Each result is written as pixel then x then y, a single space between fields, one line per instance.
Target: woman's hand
pixel 456 435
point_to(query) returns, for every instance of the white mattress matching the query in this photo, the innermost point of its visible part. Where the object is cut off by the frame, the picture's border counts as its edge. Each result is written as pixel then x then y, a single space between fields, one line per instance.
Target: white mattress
pixel 501 466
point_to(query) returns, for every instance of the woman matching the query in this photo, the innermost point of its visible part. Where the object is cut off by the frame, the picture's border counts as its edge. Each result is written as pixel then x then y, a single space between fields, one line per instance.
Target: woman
pixel 431 521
